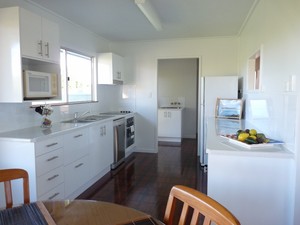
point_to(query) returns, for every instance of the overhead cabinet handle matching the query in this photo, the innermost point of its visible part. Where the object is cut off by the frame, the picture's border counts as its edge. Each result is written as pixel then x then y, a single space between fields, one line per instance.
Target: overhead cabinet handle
pixel 40 43
pixel 47 49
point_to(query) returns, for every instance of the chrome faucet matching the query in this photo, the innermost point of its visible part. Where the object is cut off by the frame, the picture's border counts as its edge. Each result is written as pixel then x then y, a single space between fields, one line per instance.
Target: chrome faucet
pixel 76 116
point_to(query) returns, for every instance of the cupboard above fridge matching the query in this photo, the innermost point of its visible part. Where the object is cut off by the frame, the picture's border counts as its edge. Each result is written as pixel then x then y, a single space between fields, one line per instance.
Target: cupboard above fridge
pixel 28 42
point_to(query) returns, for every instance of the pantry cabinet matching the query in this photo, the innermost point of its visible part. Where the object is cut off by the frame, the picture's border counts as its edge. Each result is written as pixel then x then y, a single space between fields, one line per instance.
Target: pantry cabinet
pixel 110 68
pixel 29 42
pixel 39 37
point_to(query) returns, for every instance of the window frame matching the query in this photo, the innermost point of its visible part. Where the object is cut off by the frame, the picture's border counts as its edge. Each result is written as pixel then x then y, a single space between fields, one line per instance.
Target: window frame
pixel 63 82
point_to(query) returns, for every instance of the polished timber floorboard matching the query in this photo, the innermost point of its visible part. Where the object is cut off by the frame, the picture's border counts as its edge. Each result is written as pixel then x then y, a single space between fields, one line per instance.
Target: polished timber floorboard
pixel 144 181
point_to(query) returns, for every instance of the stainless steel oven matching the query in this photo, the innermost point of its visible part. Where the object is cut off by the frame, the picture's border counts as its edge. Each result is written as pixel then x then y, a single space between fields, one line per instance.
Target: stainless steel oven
pixel 119 142
pixel 130 132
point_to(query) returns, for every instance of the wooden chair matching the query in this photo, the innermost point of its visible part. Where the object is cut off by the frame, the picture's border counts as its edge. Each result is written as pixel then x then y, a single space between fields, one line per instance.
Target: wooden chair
pixel 6 176
pixel 201 205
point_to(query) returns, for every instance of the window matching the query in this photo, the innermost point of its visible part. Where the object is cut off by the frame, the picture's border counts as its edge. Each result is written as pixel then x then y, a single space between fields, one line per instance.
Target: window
pixel 78 77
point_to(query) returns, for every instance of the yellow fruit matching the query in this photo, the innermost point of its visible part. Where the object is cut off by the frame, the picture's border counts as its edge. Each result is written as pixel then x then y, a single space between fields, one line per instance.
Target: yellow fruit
pixel 252 136
pixel 253 132
pixel 243 136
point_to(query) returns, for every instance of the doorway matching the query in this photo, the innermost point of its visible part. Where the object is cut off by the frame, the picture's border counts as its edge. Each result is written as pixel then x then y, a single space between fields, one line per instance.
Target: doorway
pixel 178 82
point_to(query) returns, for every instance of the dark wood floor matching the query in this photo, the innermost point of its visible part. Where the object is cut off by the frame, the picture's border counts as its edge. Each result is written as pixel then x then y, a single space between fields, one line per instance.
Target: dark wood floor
pixel 145 180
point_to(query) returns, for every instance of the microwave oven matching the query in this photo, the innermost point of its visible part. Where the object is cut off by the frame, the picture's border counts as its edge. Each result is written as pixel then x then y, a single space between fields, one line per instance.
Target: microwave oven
pixel 39 85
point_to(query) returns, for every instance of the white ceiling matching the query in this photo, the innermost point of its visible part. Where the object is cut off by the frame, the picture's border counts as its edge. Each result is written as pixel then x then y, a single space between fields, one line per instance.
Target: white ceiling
pixel 121 20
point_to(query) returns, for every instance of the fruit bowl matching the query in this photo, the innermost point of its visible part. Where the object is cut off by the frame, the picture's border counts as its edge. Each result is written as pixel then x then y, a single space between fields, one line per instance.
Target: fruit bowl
pixel 251 139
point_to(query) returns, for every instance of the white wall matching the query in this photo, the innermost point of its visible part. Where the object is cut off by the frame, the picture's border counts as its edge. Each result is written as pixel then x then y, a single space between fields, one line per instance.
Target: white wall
pixel 219 57
pixel 275 26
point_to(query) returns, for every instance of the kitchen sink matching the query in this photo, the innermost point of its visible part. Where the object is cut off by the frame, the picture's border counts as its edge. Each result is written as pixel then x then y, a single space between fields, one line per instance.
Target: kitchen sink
pixel 88 119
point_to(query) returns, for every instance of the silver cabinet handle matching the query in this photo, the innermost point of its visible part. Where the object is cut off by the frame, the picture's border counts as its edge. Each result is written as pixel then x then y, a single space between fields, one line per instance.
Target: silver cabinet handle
pixel 53 177
pixel 47 49
pixel 53 196
pixel 52 144
pixel 77 136
pixel 52 158
pixel 79 165
pixel 40 43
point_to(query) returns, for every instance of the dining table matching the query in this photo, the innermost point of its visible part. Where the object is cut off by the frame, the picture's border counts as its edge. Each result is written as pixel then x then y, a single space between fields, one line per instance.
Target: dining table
pixel 75 212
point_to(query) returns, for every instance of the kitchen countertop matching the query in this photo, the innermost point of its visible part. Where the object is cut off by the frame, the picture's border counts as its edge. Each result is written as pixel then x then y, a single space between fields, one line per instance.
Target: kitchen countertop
pixel 219 145
pixel 38 133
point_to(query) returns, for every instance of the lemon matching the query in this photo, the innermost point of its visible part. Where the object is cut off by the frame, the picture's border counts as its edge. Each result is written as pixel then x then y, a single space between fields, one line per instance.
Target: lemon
pixel 243 136
pixel 253 132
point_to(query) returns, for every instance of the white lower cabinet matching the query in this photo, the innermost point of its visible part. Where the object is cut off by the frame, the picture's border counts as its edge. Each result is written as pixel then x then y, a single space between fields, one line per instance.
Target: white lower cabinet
pixel 170 125
pixel 76 174
pixel 50 180
pixel 61 166
pixel 101 147
pixel 49 165
pixel 55 194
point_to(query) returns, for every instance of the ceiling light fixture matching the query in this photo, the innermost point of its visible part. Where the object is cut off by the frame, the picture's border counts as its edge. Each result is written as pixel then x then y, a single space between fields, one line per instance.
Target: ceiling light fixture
pixel 149 12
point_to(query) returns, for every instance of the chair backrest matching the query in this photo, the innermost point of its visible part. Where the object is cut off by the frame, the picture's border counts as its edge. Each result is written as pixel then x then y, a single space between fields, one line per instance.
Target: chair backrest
pixel 6 176
pixel 195 203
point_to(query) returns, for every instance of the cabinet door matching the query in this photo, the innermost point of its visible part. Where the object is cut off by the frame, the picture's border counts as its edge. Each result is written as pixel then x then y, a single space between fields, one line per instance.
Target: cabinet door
pixel 101 154
pixel 169 123
pixel 39 37
pixel 50 35
pixel 76 145
pixel 31 34
pixel 117 64
pixel 76 174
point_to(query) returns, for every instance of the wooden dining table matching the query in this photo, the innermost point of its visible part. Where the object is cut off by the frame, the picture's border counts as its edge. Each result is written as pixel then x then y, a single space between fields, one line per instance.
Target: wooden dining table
pixel 75 212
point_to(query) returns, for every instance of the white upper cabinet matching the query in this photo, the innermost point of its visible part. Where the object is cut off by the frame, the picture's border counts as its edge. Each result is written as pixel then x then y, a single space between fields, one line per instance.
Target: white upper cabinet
pixel 21 32
pixel 110 68
pixel 39 37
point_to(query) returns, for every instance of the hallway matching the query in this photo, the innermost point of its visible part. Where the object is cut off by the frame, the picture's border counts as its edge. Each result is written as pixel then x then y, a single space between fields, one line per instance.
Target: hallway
pixel 145 180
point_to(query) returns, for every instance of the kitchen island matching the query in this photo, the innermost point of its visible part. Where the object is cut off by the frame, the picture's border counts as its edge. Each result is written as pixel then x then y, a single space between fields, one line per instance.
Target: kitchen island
pixel 254 183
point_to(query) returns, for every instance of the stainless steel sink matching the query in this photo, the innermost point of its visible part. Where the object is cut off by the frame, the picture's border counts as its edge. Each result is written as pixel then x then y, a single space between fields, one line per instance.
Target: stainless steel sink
pixel 87 119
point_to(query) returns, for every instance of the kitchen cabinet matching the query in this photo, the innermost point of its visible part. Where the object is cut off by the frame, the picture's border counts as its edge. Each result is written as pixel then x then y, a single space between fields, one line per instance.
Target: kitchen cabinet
pixel 44 163
pixel 101 148
pixel 110 68
pixel 19 50
pixel 39 37
pixel 62 162
pixel 170 125
pixel 76 162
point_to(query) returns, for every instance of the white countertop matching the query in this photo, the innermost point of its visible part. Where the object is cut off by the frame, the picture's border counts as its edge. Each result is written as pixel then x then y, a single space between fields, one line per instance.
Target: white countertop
pixel 219 145
pixel 37 133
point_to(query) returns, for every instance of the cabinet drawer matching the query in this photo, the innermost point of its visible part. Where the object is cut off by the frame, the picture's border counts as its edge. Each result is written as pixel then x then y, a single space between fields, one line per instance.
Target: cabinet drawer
pixel 50 180
pixel 76 174
pixel 56 193
pixel 76 145
pixel 49 161
pixel 48 145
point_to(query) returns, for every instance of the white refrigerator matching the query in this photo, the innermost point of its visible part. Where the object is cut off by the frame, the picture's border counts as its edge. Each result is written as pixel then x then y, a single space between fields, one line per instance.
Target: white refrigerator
pixel 211 88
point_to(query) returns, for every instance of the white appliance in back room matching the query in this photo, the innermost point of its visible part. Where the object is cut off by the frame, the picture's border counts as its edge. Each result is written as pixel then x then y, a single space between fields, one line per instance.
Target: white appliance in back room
pixel 211 88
